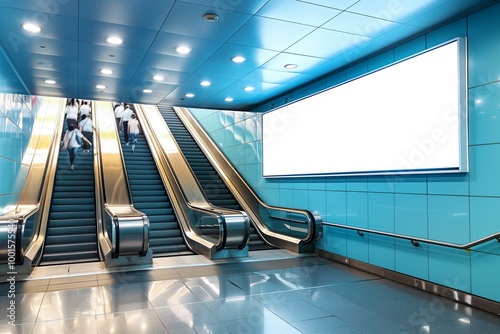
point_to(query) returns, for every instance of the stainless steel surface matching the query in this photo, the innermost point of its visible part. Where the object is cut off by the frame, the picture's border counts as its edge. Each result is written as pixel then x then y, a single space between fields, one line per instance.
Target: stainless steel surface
pixel 415 240
pixel 257 210
pixel 37 190
pixel 228 229
pixel 130 227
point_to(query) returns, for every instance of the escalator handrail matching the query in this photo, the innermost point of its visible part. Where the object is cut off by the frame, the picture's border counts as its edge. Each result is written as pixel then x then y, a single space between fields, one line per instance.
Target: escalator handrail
pixel 185 191
pixel 247 198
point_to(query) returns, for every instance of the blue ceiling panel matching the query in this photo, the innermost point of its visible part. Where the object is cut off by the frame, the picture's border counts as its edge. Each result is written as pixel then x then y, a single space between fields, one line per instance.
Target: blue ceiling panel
pixel 247 7
pixel 325 43
pixel 27 63
pixel 360 24
pixel 256 33
pixel 396 11
pixel 452 8
pixel 55 27
pixel 187 19
pixel 172 63
pixel 217 83
pixel 232 71
pixel 127 12
pixel 319 36
pixel 93 32
pixel 307 63
pixel 9 81
pixel 298 12
pixel 166 43
pixel 91 67
pixel 44 9
pixel 146 73
pixel 337 4
pixel 109 54
pixel 50 47
pixel 236 89
pixel 269 76
pixel 255 57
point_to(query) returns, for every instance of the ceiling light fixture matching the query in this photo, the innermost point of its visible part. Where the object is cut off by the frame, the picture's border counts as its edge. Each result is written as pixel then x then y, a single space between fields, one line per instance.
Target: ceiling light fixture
pixel 100 87
pixel 248 88
pixel 106 71
pixel 158 77
pixel 210 17
pixel 183 50
pixel 45 64
pixel 189 95
pixel 147 91
pixel 290 66
pixel 50 82
pixel 205 83
pixel 114 40
pixel 32 28
pixel 238 59
pixel 228 99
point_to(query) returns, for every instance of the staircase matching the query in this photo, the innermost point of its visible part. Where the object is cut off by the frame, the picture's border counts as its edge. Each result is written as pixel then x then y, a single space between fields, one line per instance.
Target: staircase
pixel 72 232
pixel 213 186
pixel 150 197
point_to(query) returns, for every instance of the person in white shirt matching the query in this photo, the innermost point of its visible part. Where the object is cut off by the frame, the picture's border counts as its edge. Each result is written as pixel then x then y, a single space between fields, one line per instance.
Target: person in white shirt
pixel 72 113
pixel 134 129
pixel 86 127
pixel 118 114
pixel 71 143
pixel 127 114
pixel 84 110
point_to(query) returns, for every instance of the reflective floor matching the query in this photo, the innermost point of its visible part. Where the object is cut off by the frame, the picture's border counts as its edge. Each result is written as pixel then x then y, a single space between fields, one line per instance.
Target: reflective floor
pixel 269 292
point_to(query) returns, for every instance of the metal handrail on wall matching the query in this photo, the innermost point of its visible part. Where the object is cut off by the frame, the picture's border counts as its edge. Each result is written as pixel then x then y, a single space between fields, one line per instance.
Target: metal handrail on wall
pixel 416 240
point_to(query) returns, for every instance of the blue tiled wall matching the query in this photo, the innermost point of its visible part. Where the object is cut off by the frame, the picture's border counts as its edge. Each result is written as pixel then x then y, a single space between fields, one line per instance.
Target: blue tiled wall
pixel 453 208
pixel 17 117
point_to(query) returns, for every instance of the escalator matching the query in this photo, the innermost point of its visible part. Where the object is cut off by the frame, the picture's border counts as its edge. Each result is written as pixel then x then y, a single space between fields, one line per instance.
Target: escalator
pixel 213 186
pixel 71 235
pixel 150 197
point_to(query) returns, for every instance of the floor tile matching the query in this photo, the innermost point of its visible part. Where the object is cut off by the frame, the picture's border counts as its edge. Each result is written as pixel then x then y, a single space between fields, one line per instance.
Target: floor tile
pixel 137 321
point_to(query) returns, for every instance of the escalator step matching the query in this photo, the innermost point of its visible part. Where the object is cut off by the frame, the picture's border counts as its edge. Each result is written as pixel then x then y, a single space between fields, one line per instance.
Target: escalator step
pixel 150 197
pixel 213 186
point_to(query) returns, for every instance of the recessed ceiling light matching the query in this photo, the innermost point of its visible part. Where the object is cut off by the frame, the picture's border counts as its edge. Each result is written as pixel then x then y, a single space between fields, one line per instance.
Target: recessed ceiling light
pixel 45 64
pixel 159 77
pixel 147 91
pixel 228 99
pixel 183 50
pixel 114 40
pixel 238 59
pixel 50 82
pixel 32 27
pixel 205 83
pixel 290 66
pixel 210 17
pixel 100 87
pixel 248 88
pixel 106 71
pixel 189 95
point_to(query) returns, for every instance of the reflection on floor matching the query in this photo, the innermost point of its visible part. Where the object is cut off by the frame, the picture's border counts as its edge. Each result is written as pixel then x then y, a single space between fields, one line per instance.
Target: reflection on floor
pixel 269 292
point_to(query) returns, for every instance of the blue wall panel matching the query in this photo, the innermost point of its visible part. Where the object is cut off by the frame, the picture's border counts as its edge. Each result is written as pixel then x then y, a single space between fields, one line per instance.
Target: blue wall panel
pixel 17 118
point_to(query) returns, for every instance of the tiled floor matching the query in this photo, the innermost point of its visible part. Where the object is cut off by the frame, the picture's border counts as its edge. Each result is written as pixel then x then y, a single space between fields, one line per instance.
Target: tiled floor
pixel 269 292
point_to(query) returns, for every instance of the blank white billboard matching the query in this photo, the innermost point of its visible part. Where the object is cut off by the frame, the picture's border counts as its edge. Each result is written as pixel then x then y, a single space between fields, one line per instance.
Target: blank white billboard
pixel 408 117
